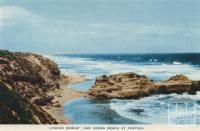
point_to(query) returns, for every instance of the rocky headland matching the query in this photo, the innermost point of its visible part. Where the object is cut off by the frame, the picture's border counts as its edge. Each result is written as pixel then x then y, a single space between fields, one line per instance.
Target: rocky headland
pixel 33 91
pixel 30 85
pixel 134 86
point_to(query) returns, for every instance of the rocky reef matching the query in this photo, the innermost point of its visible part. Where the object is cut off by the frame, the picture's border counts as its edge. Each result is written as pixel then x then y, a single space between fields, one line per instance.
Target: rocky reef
pixel 134 86
pixel 25 79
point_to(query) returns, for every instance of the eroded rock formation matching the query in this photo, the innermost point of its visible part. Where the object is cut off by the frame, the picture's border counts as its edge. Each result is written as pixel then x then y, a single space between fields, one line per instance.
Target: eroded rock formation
pixel 134 86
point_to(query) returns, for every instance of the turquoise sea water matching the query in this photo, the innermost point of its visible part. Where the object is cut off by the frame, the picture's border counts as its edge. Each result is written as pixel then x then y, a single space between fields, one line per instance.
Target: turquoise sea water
pixel 156 108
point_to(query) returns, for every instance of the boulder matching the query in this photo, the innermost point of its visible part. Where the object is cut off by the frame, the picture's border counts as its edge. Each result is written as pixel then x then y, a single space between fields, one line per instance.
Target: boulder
pixel 138 111
pixel 42 101
pixel 56 104
pixel 2 61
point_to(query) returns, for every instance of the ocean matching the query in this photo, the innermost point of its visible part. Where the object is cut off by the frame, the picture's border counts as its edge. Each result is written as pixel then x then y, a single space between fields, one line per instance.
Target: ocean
pixel 158 109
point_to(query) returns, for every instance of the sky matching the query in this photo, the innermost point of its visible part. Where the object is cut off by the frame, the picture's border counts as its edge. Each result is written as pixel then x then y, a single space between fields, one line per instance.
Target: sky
pixel 100 26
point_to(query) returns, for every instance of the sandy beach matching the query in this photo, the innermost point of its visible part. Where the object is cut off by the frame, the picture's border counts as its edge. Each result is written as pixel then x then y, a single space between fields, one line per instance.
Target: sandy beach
pixel 63 95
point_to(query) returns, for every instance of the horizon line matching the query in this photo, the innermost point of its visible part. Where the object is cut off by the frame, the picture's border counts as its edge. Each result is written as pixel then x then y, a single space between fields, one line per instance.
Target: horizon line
pixel 123 53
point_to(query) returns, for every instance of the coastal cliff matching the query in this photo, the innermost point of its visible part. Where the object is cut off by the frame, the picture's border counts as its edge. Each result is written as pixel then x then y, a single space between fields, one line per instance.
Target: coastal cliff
pixel 25 80
pixel 134 86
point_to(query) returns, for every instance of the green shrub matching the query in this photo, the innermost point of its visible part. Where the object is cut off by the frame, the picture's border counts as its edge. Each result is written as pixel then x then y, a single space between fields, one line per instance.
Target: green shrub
pixel 4 53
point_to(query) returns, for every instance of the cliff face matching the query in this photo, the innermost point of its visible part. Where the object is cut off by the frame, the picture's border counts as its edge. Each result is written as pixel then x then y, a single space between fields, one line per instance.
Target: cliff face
pixel 25 80
pixel 134 86
pixel 15 109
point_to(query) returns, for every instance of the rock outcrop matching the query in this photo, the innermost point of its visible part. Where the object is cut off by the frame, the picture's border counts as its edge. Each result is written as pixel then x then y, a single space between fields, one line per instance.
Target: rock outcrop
pixel 25 79
pixel 134 86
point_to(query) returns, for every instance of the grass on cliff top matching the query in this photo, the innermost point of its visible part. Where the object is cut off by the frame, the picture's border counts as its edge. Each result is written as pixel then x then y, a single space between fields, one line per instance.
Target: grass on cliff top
pixel 5 53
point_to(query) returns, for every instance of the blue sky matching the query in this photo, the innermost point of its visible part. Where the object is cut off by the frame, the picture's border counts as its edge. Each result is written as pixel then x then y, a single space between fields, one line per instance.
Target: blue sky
pixel 100 26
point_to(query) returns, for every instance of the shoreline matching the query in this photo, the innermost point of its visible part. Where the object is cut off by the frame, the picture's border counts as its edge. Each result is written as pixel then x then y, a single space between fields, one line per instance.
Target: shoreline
pixel 37 91
pixel 63 95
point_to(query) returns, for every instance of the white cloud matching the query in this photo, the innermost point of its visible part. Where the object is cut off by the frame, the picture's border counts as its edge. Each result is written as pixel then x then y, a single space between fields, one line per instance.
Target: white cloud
pixel 28 31
pixel 15 13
